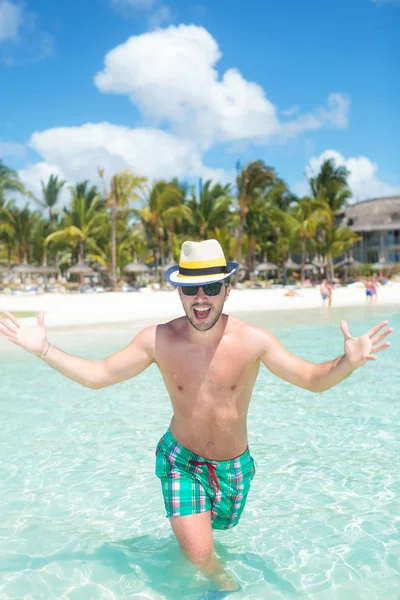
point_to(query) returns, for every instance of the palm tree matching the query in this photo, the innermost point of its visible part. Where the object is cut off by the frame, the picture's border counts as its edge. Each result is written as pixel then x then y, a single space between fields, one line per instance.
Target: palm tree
pixel 83 222
pixel 331 192
pixel 212 209
pixel 50 192
pixel 251 181
pixel 7 239
pixel 124 188
pixel 163 207
pixel 306 221
pixel 9 182
pixel 330 185
pixel 21 223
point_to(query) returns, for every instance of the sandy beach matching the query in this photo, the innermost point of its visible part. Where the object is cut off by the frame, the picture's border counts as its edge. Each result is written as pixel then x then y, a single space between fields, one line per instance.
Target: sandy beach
pixel 67 310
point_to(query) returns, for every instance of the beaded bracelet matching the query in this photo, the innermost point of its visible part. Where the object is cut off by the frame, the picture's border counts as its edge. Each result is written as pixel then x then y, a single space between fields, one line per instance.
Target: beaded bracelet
pixel 47 349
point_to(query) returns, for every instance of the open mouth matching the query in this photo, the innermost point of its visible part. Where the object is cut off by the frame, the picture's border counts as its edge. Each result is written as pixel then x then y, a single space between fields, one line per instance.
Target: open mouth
pixel 202 314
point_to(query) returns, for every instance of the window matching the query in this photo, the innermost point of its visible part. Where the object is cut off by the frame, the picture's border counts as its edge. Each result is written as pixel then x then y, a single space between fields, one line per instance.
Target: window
pixel 392 238
pixel 389 238
pixel 372 256
pixel 372 238
pixel 394 256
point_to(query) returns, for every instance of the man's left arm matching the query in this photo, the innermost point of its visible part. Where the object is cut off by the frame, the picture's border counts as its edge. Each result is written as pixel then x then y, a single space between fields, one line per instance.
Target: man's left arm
pixel 323 376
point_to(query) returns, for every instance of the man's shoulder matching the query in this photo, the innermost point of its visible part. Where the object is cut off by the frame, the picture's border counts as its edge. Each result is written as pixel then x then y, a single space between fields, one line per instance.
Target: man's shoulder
pixel 171 327
pixel 246 331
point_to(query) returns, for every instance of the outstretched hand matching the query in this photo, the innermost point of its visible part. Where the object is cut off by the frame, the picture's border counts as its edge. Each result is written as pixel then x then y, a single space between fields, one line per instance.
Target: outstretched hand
pixel 31 339
pixel 360 350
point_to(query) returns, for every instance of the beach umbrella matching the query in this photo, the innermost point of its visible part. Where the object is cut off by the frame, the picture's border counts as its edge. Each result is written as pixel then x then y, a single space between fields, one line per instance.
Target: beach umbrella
pixel 47 270
pixel 380 265
pixel 136 267
pixel 309 267
pixel 26 269
pixel 348 262
pixel 290 264
pixel 266 266
pixel 81 269
pixel 318 262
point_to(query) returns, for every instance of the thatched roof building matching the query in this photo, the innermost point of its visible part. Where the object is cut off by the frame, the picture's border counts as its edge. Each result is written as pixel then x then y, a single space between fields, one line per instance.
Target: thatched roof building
pixel 377 221
pixel 378 214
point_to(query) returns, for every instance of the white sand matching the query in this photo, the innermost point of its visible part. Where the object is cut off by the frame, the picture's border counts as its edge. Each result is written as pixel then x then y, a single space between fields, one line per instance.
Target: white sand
pixel 66 310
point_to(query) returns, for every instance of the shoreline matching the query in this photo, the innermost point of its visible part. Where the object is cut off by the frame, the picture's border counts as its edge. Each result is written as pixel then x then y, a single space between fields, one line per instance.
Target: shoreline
pixel 80 310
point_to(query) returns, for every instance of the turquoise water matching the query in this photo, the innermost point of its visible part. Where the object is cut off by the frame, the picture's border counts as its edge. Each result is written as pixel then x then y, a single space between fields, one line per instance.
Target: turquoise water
pixel 81 512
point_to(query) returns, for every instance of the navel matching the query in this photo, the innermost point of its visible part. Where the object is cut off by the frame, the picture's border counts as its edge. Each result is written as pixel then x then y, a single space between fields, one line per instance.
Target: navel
pixel 233 387
pixel 180 388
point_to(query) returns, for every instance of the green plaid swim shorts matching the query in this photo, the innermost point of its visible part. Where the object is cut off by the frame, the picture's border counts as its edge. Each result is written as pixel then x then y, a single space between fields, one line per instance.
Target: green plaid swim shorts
pixel 192 484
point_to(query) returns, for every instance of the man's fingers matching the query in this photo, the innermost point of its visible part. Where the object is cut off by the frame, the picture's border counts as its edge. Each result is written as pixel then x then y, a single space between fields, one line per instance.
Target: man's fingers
pixel 377 328
pixel 40 319
pixel 8 326
pixel 376 349
pixel 381 336
pixel 12 318
pixel 345 330
pixel 372 358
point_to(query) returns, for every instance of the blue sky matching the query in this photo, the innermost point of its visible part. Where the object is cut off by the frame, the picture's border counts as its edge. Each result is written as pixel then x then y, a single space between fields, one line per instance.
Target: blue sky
pixel 188 88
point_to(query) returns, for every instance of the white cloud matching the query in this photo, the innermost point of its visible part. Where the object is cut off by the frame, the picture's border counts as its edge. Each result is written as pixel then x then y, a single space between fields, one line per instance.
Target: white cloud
pixel 162 14
pixel 293 110
pixel 142 4
pixel 363 178
pixel 157 14
pixel 32 175
pixel 382 2
pixel 21 38
pixel 75 153
pixel 170 76
pixel 11 149
pixel 10 20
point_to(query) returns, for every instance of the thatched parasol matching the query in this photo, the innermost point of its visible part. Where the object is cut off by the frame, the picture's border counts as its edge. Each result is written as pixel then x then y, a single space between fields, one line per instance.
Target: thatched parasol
pixel 380 265
pixel 290 264
pixel 318 262
pixel 348 263
pixel 136 267
pixel 266 266
pixel 47 270
pixel 26 269
pixel 81 268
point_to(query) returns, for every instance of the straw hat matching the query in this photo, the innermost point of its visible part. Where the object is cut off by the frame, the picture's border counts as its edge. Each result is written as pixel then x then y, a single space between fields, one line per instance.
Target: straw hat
pixel 200 263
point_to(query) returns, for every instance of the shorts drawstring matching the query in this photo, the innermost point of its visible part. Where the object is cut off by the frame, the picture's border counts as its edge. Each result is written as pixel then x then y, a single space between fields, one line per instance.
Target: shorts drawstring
pixel 212 476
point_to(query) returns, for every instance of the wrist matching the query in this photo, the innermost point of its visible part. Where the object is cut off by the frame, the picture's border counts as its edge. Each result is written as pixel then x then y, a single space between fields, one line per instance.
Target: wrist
pixel 352 366
pixel 45 350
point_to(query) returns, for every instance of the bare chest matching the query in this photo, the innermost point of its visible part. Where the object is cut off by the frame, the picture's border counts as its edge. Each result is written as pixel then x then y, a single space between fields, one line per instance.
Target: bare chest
pixel 209 372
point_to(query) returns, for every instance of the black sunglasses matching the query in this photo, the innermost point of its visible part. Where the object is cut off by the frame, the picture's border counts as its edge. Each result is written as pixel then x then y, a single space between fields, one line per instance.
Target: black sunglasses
pixel 210 289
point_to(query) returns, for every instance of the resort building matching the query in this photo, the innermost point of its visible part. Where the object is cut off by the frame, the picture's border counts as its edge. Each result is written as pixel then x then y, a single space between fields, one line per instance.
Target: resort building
pixel 377 221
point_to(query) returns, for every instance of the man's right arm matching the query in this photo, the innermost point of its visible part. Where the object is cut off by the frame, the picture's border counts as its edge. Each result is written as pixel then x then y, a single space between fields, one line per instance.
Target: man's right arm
pixel 127 363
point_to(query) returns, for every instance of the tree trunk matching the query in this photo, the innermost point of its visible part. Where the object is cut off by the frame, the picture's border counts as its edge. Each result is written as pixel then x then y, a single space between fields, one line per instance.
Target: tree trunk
pixel 81 259
pixel 240 236
pixel 161 251
pixel 303 258
pixel 113 241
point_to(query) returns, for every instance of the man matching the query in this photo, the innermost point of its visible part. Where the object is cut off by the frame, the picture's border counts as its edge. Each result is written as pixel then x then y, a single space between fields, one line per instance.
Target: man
pixel 209 362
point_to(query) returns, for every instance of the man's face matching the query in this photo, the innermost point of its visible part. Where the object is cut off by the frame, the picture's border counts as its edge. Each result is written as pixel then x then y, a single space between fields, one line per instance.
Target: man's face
pixel 204 311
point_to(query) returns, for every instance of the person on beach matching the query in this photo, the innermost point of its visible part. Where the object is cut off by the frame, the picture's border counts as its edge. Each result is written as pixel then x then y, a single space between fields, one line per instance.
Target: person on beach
pixel 209 362
pixel 370 290
pixel 326 292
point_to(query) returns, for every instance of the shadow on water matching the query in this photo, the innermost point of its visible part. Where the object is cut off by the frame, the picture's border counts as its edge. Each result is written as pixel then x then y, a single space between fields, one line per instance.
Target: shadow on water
pixel 157 562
